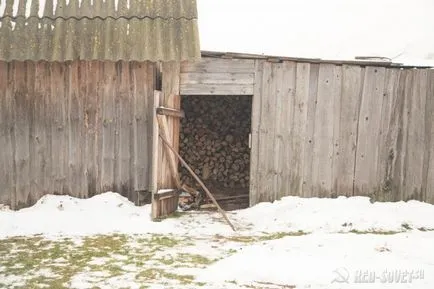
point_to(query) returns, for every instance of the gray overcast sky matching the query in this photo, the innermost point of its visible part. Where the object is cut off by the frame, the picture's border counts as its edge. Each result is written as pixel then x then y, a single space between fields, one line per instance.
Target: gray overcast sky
pixel 339 29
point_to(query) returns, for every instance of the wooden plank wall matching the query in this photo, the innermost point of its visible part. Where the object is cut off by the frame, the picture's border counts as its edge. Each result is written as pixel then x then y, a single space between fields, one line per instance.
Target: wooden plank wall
pixel 217 77
pixel 325 130
pixel 78 128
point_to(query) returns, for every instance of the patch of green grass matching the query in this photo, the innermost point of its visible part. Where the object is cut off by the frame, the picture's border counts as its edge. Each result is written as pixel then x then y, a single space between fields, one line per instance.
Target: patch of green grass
pixel 376 232
pixel 33 254
pixel 280 235
pixel 153 274
pixel 194 259
pixel 266 237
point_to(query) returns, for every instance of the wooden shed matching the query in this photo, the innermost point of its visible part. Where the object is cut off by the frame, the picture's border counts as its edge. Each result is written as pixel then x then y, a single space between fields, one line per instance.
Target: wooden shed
pixel 77 82
pixel 86 90
pixel 328 128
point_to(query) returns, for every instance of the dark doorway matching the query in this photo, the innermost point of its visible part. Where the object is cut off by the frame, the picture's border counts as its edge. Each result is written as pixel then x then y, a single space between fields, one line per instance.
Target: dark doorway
pixel 214 140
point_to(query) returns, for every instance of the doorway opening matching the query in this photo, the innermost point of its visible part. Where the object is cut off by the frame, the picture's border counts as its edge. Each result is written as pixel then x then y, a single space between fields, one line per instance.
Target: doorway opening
pixel 214 141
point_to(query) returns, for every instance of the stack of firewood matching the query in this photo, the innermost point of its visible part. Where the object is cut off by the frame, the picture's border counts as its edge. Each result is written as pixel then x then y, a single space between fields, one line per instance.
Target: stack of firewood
pixel 214 139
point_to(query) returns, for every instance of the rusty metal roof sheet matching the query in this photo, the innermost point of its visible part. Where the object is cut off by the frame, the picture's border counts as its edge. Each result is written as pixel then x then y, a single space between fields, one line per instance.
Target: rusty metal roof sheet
pixel 132 30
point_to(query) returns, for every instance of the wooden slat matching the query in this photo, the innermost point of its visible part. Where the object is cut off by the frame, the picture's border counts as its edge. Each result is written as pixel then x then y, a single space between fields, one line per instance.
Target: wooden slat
pixel 21 107
pixel 144 82
pixel 366 174
pixel 170 99
pixel 346 137
pixel 217 89
pixel 310 131
pixel 299 127
pixel 124 132
pixel 75 119
pixel 415 157
pixel 254 152
pixel 391 115
pixel 211 65
pixel 266 136
pixel 108 126
pixel 91 91
pixel 30 74
pixel 287 124
pixel 430 149
pixel 172 164
pixel 58 127
pixel 277 144
pixel 216 78
pixel 170 112
pixel 322 168
pixel 7 189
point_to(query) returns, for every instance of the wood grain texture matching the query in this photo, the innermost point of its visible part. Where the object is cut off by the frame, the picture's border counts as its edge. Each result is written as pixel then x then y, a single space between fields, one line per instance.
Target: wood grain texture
pixel 216 78
pixel 254 152
pixel 217 89
pixel 391 115
pixel 76 128
pixel 170 99
pixel 322 167
pixel 308 184
pixel 367 155
pixel 288 126
pixel 217 65
pixel 21 108
pixel 429 114
pixel 345 139
pixel 416 137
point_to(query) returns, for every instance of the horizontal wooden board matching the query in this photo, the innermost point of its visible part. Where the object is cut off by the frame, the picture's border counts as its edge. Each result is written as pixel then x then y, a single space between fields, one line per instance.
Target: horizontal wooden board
pixel 217 78
pixel 216 89
pixel 215 65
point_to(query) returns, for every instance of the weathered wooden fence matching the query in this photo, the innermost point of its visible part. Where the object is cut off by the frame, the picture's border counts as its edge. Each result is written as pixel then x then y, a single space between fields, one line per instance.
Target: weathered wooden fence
pixel 76 128
pixel 324 130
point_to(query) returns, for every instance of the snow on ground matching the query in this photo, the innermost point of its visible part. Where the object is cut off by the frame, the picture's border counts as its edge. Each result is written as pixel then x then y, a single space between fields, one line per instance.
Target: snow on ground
pixel 107 242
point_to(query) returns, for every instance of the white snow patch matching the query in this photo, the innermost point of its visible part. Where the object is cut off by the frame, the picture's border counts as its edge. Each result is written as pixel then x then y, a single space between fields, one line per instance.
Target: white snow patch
pixel 312 260
pixel 111 213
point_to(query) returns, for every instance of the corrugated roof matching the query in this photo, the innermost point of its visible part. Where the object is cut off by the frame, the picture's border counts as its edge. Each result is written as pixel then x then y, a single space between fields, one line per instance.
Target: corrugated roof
pixel 133 30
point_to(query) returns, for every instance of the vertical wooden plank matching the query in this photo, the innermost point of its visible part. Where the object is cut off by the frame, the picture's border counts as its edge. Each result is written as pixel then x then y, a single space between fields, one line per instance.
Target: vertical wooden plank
pixel 322 169
pixel 144 76
pixel 399 124
pixel 123 174
pixel 34 193
pixel 366 174
pixel 7 188
pixel 288 124
pixel 75 120
pixel 265 184
pixel 299 126
pixel 171 99
pixel 108 126
pixel 346 137
pixel 391 115
pixel 429 114
pixel 276 145
pixel 415 110
pixel 308 143
pixel 58 127
pixel 22 131
pixel 90 90
pixel 336 159
pixel 254 151
pixel 40 163
pixel 154 156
